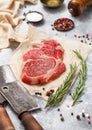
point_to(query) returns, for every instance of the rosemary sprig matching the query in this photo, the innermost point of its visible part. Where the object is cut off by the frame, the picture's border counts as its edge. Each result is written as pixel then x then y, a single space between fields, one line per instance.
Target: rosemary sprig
pixel 63 89
pixel 82 77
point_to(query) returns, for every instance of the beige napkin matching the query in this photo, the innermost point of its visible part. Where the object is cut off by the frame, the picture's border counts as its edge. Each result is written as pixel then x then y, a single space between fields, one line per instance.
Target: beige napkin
pixel 9 22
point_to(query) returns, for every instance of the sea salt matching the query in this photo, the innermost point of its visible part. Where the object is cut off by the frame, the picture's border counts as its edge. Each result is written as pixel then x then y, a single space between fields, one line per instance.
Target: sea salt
pixel 34 17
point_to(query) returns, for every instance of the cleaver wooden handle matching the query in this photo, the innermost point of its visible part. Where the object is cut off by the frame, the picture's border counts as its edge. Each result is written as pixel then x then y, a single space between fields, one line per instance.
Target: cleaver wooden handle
pixel 5 122
pixel 30 122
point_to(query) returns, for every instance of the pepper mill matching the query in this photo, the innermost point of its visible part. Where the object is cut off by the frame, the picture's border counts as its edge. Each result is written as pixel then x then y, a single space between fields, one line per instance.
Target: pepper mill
pixel 77 7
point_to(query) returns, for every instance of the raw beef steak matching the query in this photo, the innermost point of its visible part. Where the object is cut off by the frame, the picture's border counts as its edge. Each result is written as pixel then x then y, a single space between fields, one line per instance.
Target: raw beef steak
pixel 43 63
pixel 46 48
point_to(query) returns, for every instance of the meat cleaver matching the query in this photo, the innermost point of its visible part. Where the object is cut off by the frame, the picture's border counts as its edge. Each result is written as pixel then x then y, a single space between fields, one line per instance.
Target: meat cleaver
pixel 19 98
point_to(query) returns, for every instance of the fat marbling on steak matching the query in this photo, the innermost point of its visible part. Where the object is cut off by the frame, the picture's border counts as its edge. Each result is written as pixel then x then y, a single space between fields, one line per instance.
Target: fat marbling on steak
pixel 43 62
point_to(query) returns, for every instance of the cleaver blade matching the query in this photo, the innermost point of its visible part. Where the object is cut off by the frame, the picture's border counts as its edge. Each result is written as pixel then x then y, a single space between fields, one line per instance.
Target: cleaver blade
pixel 19 98
pixel 5 121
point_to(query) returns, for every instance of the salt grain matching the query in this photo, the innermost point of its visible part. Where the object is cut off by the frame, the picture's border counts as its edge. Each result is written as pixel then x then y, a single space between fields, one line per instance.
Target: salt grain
pixel 34 16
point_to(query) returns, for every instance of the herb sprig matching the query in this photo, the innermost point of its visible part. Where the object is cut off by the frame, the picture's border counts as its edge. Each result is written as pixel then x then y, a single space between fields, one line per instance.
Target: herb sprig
pixel 82 77
pixel 62 90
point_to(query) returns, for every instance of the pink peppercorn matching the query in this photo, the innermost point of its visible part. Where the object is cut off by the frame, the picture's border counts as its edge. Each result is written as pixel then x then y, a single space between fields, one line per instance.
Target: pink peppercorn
pixel 89 121
pixel 87 35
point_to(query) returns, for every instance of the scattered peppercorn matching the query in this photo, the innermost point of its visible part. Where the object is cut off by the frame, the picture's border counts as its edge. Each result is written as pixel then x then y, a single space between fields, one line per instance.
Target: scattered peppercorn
pixel 70 94
pixel 81 40
pixel 43 88
pixel 87 35
pixel 72 114
pixel 89 122
pixel 83 114
pixel 23 19
pixel 58 109
pixel 62 118
pixel 53 29
pixel 88 116
pixel 38 93
pixel 61 115
pixel 24 14
pixel 48 93
pixel 78 117
pixel 75 35
pixel 85 38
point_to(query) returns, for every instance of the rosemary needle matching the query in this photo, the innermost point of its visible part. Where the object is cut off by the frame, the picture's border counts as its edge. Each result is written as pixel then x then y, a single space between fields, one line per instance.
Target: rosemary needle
pixel 82 77
pixel 63 89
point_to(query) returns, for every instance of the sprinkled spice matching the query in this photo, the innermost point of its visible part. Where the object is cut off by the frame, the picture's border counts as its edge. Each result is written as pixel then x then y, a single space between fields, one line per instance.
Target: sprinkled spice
pixel 43 88
pixel 81 40
pixel 78 117
pixel 48 93
pixel 38 93
pixel 70 94
pixel 53 29
pixel 89 122
pixel 62 118
pixel 87 35
pixel 58 109
pixel 83 114
pixel 24 14
pixel 63 24
pixel 72 114
pixel 23 19
pixel 75 35
pixel 88 119
pixel 61 115
pixel 84 38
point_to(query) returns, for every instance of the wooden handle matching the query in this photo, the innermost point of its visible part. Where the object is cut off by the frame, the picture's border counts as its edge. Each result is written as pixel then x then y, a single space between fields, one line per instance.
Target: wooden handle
pixel 77 7
pixel 5 122
pixel 30 122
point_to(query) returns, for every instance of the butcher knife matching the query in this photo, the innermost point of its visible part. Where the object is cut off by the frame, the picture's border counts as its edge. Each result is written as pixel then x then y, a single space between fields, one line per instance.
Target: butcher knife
pixel 19 98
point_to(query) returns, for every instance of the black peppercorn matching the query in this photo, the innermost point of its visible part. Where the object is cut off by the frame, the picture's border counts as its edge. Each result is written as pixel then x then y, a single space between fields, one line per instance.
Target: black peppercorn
pixel 62 118
pixel 78 117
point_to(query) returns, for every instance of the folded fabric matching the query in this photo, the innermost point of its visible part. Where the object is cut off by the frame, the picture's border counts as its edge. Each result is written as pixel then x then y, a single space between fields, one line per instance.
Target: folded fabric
pixel 9 21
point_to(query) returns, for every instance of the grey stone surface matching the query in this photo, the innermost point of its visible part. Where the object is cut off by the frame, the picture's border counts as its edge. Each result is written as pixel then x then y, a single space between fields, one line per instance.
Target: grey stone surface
pixel 50 118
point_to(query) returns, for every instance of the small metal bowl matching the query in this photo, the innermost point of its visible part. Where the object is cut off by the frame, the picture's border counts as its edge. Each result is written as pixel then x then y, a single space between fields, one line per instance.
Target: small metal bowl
pixel 52 3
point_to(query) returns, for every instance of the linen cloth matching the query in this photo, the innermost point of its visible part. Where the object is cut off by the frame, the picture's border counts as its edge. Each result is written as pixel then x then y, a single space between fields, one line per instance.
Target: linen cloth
pixel 9 22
